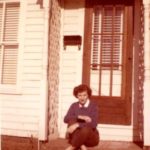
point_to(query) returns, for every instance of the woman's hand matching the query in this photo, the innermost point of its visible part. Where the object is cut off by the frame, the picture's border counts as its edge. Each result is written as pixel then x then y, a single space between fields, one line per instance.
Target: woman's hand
pixel 72 128
pixel 85 118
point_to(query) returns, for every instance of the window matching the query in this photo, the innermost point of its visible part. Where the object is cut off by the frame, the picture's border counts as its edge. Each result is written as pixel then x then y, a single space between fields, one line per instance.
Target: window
pixel 9 46
pixel 106 49
pixel 107 36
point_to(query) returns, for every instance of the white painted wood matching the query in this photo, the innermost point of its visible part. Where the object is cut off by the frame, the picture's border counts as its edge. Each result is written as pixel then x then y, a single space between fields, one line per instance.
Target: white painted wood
pixel 34 21
pixel 34 70
pixel 25 119
pixel 33 7
pixel 46 3
pixel 20 133
pixel 71 57
pixel 33 34
pixel 20 126
pixel 32 63
pixel 36 41
pixel 22 104
pixel 31 1
pixel 34 28
pixel 31 76
pixel 32 56
pixel 43 113
pixel 33 48
pixel 11 0
pixel 35 14
pixel 43 126
pixel 20 111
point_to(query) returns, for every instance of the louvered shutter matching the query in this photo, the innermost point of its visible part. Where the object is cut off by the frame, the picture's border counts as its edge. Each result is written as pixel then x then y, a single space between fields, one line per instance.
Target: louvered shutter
pixel 9 42
pixel 1 10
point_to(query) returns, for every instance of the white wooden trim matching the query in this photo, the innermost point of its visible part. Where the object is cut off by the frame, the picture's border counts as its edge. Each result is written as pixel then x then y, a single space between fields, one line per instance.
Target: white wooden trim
pixel 43 127
pixel 43 113
pixel 11 0
pixel 46 3
pixel 21 42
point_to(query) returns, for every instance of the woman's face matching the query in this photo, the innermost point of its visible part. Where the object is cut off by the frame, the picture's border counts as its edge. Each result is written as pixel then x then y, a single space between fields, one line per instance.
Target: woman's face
pixel 82 97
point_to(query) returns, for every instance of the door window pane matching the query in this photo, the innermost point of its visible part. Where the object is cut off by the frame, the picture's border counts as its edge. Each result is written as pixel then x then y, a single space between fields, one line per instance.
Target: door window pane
pixel 106 50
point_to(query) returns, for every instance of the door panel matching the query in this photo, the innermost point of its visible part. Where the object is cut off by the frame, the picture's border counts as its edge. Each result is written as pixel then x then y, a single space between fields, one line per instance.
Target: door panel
pixel 107 62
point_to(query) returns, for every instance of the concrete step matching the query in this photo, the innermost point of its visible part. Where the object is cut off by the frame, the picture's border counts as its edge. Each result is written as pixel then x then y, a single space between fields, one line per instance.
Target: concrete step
pixel 62 144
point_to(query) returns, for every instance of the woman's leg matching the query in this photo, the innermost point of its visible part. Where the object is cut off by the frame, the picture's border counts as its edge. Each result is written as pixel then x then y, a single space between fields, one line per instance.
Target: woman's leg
pixel 80 136
pixel 93 138
pixel 84 137
pixel 70 148
pixel 83 147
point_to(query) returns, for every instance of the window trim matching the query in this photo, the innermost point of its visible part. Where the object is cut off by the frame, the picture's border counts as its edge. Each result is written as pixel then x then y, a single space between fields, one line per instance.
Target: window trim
pixel 16 88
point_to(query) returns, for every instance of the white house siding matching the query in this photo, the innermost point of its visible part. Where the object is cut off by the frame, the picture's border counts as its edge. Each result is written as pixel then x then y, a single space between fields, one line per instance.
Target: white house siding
pixel 71 57
pixel 71 72
pixel 20 110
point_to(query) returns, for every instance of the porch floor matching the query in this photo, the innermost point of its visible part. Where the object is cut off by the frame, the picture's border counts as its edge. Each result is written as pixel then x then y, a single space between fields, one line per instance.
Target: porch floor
pixel 20 143
pixel 61 144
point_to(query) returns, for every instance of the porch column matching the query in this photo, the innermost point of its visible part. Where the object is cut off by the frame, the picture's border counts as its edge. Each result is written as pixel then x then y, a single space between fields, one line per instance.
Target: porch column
pixel 43 127
pixel 146 73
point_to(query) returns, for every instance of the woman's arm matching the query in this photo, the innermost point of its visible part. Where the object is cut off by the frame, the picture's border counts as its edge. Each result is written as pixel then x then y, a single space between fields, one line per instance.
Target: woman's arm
pixel 70 117
pixel 91 118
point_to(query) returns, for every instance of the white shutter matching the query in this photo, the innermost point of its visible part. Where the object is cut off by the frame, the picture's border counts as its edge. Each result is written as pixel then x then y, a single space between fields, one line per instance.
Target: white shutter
pixel 9 65
pixel 1 15
pixel 11 22
pixel 9 43
pixel 1 10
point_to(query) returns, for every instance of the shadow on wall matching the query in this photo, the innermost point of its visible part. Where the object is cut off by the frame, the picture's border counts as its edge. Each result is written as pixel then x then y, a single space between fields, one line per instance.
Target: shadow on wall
pixel 75 4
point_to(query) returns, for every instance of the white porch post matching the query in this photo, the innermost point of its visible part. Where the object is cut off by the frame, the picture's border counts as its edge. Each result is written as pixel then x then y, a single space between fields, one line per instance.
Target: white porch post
pixel 146 72
pixel 43 126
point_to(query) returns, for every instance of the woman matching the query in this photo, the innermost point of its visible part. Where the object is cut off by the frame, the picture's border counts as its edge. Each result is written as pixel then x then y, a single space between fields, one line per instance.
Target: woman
pixel 82 120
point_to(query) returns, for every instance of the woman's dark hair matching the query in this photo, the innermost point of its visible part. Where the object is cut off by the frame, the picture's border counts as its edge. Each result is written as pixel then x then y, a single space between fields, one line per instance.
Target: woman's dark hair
pixel 81 88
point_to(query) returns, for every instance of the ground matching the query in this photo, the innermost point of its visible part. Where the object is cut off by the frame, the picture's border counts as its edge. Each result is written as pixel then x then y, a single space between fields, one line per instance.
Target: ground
pixel 18 143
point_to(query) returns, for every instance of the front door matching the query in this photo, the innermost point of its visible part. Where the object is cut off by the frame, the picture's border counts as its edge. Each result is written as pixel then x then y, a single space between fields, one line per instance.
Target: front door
pixel 107 59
